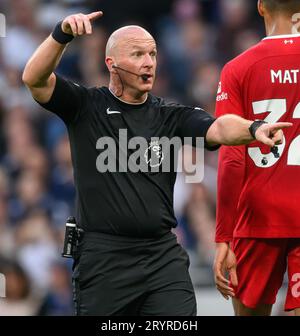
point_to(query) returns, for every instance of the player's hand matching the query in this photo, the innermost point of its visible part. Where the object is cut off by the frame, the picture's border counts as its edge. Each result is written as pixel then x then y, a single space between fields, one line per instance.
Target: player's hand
pixel 225 262
pixel 271 134
pixel 80 24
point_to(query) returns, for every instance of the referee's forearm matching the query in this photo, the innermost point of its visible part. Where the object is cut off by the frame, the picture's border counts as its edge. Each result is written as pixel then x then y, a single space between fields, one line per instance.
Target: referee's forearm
pixel 230 130
pixel 43 62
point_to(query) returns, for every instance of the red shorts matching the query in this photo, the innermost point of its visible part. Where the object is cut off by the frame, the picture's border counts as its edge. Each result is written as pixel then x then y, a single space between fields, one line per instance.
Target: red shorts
pixel 261 265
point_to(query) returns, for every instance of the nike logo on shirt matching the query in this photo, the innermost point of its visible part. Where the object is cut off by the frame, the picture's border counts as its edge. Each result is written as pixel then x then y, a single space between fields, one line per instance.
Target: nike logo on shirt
pixel 108 111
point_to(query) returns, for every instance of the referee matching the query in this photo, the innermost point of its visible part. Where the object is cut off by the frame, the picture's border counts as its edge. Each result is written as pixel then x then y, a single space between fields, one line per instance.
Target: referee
pixel 129 261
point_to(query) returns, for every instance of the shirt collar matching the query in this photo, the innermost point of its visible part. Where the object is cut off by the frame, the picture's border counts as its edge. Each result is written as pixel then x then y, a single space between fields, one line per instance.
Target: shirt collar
pixel 281 36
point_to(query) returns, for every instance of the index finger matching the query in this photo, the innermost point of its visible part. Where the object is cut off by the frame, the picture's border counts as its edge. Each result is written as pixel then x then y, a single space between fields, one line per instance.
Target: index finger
pixel 280 125
pixel 94 15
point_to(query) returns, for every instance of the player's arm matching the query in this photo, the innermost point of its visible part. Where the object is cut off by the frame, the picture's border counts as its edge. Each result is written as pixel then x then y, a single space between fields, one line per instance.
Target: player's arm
pixel 38 74
pixel 231 170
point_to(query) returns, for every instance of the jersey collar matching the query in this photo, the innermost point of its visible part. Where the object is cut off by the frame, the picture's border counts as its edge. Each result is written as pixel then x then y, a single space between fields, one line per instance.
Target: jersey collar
pixel 125 102
pixel 281 36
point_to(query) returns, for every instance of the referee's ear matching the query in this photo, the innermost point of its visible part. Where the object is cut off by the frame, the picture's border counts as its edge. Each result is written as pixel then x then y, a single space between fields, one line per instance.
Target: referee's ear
pixel 110 64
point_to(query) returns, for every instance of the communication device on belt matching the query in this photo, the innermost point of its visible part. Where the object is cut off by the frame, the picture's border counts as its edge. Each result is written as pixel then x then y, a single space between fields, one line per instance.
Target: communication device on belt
pixel 70 238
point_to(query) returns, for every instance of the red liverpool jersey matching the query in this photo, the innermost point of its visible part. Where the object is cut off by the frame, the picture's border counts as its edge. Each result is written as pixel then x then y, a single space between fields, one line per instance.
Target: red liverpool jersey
pixel 258 193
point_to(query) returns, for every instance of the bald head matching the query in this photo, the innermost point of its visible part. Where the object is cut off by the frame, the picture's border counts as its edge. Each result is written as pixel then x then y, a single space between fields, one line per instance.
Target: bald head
pixel 124 35
pixel 131 58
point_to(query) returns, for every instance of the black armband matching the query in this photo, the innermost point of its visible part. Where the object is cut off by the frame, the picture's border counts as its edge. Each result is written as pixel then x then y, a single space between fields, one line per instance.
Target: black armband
pixel 254 126
pixel 60 36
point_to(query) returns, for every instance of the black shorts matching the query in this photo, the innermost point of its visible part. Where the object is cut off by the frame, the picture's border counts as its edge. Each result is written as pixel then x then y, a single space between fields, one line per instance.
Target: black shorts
pixel 114 275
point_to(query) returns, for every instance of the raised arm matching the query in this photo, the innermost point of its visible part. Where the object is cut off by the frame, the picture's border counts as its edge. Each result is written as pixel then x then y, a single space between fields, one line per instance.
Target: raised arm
pixel 38 74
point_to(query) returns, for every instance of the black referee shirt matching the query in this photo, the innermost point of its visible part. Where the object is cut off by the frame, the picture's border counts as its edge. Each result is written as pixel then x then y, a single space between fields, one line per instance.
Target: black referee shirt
pixel 130 204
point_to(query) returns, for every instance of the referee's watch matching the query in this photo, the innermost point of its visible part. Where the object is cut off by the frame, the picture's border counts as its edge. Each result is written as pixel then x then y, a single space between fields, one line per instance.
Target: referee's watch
pixel 254 126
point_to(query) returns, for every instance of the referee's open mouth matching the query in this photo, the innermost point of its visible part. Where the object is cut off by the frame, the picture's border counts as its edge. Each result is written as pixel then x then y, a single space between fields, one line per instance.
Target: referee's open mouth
pixel 146 77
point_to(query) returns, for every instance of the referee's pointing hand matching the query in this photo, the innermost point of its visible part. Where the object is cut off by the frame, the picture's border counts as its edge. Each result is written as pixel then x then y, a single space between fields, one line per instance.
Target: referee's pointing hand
pixel 80 24
pixel 271 134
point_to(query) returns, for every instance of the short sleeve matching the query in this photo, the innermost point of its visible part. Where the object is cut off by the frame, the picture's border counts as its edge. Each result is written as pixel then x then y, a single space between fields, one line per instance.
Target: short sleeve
pixel 229 99
pixel 68 100
pixel 193 123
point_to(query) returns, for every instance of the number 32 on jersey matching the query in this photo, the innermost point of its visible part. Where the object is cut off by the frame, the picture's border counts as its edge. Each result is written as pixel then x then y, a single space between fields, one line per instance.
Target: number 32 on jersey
pixel 276 108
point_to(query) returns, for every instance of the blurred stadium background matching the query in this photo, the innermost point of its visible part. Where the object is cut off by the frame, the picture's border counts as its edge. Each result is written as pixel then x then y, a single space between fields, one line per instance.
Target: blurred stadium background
pixel 195 39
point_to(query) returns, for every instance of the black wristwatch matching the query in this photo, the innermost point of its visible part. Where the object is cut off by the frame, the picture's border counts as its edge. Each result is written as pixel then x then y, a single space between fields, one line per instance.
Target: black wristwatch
pixel 254 126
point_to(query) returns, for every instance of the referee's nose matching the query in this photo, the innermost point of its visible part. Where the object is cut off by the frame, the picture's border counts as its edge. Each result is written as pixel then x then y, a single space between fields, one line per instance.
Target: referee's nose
pixel 149 61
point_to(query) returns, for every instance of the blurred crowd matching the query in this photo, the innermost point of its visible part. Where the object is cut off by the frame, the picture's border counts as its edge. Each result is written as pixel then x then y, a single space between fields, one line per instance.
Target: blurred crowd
pixel 195 38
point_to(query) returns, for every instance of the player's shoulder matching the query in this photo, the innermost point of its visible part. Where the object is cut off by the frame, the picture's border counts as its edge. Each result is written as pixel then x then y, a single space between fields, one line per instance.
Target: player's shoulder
pixel 246 59
pixel 269 47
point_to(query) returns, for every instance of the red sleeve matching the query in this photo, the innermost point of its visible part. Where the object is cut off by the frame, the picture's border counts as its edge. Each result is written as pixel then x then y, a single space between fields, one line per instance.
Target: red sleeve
pixel 229 98
pixel 230 183
pixel 231 159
